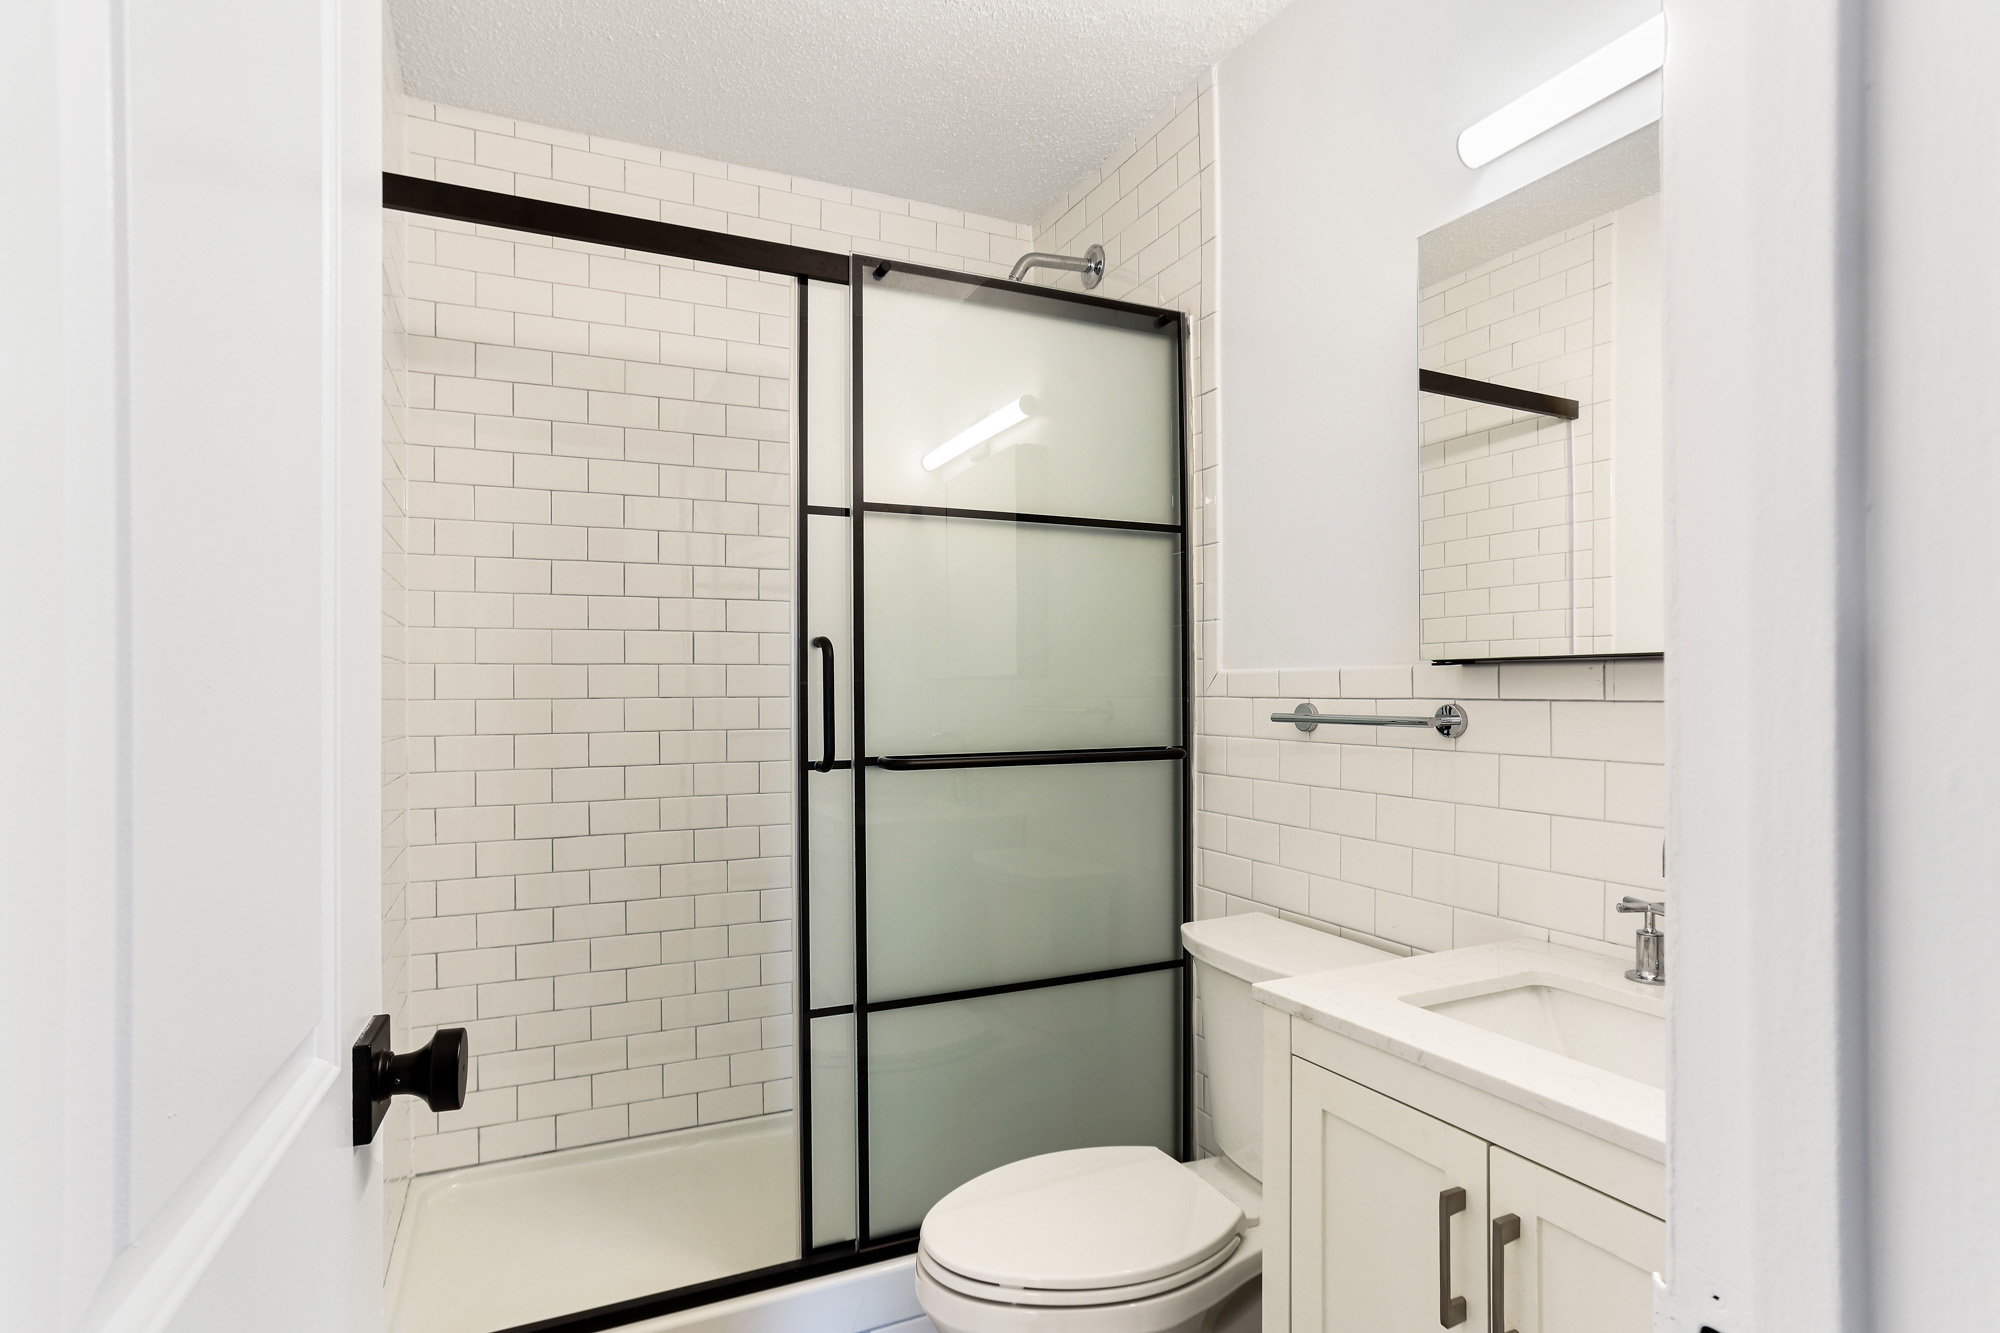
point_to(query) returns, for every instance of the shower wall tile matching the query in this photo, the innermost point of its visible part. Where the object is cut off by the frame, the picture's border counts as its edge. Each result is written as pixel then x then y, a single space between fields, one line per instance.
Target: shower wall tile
pixel 1552 805
pixel 593 464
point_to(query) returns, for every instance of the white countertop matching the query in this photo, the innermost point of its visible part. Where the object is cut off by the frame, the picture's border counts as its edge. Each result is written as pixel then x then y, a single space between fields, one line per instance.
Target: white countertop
pixel 1370 1004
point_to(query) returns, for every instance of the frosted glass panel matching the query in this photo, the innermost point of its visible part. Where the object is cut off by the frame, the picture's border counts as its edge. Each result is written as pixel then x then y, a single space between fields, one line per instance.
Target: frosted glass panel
pixel 1101 438
pixel 829 388
pixel 984 876
pixel 960 1088
pixel 829 566
pixel 1019 636
pixel 830 877
pixel 833 1138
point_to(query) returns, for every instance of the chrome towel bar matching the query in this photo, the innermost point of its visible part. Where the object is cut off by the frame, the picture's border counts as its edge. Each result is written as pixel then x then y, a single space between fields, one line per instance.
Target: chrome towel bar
pixel 1449 721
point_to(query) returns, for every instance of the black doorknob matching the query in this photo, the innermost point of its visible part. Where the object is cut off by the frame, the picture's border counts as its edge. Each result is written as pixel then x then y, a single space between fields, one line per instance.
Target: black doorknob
pixel 434 1071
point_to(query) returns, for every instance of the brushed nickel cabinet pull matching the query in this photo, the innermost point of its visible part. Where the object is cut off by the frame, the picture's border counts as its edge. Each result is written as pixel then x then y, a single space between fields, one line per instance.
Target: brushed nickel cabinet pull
pixel 1451 1309
pixel 1506 1230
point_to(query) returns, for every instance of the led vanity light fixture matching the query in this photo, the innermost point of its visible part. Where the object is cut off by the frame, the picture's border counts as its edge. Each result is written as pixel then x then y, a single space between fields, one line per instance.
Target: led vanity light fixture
pixel 979 432
pixel 1578 88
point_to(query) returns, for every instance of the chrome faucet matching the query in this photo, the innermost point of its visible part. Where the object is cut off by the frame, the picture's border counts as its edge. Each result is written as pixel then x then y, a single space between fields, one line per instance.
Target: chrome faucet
pixel 1652 945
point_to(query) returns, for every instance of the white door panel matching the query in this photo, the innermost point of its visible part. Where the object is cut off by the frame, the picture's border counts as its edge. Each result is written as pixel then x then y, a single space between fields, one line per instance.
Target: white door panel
pixel 190 497
pixel 227 324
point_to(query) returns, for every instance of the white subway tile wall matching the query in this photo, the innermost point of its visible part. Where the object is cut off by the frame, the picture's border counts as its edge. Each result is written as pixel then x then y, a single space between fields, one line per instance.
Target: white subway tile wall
pixel 1506 493
pixel 1548 810
pixel 1151 205
pixel 600 748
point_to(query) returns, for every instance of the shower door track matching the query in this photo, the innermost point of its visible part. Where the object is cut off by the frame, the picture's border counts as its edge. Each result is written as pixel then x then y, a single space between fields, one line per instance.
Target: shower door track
pixel 463 203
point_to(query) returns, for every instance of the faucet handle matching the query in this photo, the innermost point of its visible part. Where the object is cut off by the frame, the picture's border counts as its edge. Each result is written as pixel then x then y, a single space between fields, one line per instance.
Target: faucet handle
pixel 1650 943
pixel 1652 910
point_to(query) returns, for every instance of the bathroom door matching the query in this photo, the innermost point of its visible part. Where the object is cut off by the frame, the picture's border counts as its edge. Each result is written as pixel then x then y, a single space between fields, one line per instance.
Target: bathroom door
pixel 997 862
pixel 191 512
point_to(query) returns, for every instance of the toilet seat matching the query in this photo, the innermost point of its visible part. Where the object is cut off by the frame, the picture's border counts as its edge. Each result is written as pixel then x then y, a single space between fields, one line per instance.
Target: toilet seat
pixel 1187 1308
pixel 1084 1227
pixel 1073 1296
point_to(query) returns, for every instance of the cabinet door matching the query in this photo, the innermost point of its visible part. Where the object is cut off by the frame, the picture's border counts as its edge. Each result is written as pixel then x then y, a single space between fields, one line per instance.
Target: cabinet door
pixel 1583 1262
pixel 1372 1226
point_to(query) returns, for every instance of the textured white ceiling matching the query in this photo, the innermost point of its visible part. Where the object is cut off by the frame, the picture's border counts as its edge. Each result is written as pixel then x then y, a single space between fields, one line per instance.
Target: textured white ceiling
pixel 994 106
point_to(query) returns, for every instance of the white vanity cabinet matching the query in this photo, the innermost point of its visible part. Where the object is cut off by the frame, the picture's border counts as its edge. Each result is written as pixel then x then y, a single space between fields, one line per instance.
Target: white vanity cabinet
pixel 1398 1219
pixel 1423 1173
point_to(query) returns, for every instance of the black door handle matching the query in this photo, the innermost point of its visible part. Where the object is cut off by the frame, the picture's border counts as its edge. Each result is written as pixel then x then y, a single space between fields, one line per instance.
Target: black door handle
pixel 434 1071
pixel 825 764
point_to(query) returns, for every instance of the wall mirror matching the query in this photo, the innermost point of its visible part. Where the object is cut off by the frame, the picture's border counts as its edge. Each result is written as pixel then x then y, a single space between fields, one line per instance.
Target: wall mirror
pixel 1538 321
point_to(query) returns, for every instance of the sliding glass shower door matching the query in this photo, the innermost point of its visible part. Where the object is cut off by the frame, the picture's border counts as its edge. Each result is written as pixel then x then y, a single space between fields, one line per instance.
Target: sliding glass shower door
pixel 995 824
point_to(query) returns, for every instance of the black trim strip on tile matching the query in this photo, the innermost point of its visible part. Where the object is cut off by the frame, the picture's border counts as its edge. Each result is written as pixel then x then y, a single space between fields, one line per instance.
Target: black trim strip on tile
pixel 909 763
pixel 464 203
pixel 1497 395
pixel 1007 516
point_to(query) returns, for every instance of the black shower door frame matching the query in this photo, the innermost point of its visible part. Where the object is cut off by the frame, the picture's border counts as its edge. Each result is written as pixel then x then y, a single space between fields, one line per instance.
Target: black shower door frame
pixel 1180 753
pixel 461 203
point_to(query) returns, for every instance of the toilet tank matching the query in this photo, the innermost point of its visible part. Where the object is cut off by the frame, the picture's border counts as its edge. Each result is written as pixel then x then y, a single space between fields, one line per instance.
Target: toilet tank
pixel 1232 954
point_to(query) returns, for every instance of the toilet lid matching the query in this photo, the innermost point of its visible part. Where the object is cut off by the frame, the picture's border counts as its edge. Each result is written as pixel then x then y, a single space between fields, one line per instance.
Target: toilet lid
pixel 1088 1218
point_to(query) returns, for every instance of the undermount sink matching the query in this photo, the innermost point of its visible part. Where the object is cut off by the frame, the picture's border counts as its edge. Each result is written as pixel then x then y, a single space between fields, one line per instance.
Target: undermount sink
pixel 1596 1030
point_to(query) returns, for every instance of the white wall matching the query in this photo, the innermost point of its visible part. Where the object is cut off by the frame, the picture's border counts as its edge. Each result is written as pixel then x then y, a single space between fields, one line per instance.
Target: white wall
pixel 1338 125
pixel 1548 811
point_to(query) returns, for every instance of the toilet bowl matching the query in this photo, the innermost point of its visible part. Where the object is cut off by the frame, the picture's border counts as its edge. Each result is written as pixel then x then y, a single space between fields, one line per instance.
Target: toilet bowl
pixel 1125 1239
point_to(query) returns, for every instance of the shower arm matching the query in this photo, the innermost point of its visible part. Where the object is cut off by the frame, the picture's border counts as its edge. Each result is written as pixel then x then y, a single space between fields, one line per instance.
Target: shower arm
pixel 1090 265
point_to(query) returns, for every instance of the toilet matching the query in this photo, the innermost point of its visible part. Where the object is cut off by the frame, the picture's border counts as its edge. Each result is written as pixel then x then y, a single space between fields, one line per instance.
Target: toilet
pixel 1126 1239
